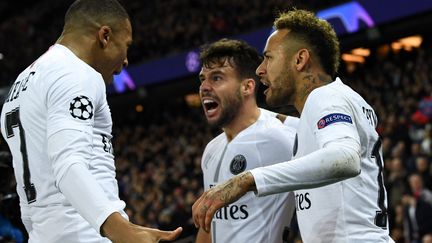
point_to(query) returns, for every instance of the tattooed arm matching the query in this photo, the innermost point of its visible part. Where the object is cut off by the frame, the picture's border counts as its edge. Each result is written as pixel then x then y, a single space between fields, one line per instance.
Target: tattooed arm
pixel 219 196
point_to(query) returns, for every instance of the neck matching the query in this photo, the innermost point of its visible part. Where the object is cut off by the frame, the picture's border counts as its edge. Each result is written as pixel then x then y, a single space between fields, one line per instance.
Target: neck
pixel 243 120
pixel 309 82
pixel 77 44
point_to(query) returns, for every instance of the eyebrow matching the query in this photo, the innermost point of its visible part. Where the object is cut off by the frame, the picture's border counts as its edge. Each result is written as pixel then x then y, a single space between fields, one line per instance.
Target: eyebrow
pixel 216 72
pixel 211 72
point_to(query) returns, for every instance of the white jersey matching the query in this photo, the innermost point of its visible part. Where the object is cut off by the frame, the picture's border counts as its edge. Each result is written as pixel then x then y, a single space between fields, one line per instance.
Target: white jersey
pixel 352 210
pixel 250 219
pixel 58 92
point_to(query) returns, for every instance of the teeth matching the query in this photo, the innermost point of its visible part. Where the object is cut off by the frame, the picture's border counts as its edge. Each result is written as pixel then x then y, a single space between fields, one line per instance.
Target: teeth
pixel 209 104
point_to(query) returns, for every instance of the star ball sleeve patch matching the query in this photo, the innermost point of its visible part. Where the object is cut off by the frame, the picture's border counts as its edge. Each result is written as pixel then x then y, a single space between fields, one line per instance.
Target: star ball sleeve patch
pixel 81 107
pixel 333 118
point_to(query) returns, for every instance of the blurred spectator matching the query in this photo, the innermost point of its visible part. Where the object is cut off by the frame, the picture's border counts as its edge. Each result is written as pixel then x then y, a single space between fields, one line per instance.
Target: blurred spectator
pixel 422 165
pixel 396 181
pixel 397 226
pixel 418 210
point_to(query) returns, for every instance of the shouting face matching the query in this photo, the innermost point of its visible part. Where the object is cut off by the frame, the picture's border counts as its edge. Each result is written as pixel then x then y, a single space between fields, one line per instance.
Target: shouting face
pixel 220 93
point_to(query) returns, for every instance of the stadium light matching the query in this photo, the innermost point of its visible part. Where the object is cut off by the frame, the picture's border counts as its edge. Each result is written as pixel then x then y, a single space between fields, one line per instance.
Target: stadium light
pixel 139 108
pixel 193 100
pixel 353 58
pixel 413 41
pixel 364 52
pixel 407 43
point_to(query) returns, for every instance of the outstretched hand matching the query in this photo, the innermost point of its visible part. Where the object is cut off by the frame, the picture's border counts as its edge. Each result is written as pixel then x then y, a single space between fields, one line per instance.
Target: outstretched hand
pixel 119 230
pixel 219 196
pixel 150 235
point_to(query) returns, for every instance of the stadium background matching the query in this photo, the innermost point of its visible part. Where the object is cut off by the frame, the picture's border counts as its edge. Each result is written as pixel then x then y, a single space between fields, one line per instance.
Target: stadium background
pixel 159 129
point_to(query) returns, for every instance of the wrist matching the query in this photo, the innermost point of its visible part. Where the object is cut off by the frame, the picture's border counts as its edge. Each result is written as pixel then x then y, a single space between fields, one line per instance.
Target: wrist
pixel 113 226
pixel 247 181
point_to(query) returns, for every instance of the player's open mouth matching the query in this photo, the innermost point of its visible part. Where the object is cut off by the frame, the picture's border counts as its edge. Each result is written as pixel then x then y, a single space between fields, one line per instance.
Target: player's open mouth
pixel 210 105
pixel 266 84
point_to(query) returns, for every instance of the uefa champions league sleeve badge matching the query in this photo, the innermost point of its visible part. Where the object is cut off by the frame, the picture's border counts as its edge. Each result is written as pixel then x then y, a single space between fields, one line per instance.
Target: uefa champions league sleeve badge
pixel 81 107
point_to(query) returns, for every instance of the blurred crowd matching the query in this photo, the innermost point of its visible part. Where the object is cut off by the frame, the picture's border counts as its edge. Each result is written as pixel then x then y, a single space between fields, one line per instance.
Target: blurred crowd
pixel 160 27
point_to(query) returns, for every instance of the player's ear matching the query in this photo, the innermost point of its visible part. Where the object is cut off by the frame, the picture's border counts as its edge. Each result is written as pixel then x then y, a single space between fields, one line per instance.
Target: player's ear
pixel 104 35
pixel 248 86
pixel 302 58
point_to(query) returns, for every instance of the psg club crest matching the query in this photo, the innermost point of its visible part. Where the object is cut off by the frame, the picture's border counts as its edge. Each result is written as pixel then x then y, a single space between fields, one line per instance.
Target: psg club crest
pixel 238 164
pixel 81 108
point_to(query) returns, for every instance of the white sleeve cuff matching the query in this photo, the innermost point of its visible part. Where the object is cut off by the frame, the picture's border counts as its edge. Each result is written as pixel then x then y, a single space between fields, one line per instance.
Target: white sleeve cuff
pixel 259 180
pixel 86 195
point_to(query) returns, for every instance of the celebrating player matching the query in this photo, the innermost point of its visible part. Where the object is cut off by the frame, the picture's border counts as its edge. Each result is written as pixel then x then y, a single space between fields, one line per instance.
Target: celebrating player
pixel 251 138
pixel 57 124
pixel 336 171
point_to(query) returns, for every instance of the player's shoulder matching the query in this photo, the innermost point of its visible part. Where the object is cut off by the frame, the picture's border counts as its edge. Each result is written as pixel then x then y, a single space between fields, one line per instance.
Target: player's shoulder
pixel 267 120
pixel 271 128
pixel 59 63
pixel 333 94
pixel 56 58
pixel 216 142
pixel 270 120
pixel 334 90
pixel 291 122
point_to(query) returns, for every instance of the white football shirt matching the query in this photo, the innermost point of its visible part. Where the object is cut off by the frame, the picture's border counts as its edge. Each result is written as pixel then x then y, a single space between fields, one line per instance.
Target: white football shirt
pixel 250 219
pixel 59 92
pixel 352 210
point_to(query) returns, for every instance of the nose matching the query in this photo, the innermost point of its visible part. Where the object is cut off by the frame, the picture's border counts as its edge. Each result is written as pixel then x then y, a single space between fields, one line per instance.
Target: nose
pixel 260 69
pixel 204 86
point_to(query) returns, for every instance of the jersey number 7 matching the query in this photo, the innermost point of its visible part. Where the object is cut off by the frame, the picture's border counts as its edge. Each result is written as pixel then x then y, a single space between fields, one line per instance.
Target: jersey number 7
pixel 12 121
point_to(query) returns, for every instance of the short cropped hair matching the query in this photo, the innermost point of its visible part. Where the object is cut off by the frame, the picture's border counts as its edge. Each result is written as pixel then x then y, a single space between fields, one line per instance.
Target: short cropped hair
pixel 316 33
pixel 241 56
pixel 104 12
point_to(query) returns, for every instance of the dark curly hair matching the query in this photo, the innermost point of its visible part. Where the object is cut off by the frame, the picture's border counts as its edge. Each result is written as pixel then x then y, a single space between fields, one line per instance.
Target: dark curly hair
pixel 241 56
pixel 316 33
